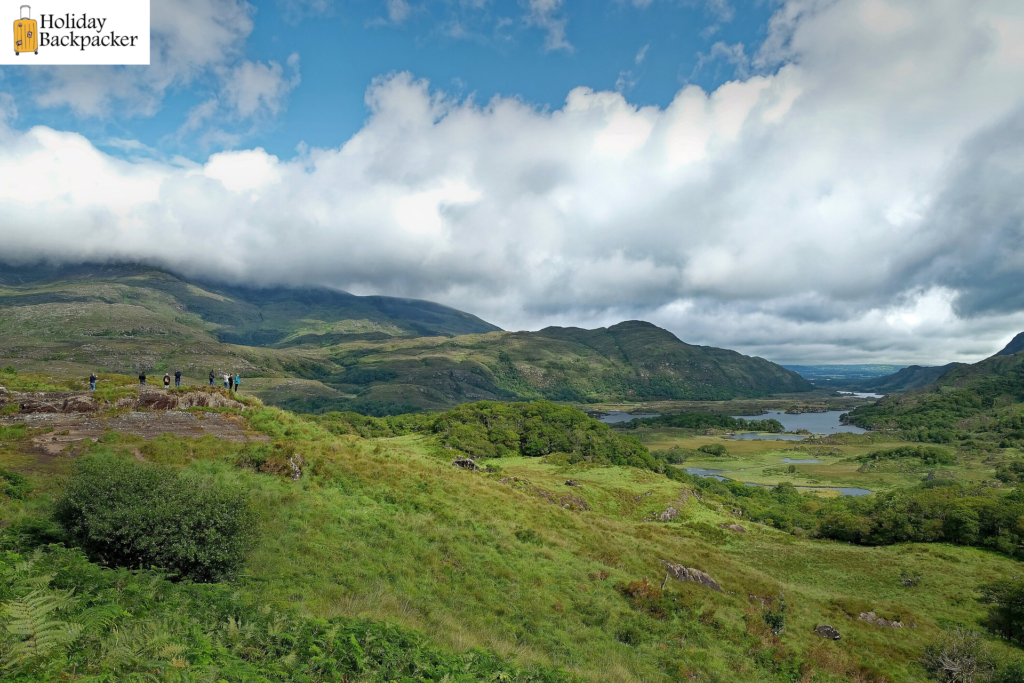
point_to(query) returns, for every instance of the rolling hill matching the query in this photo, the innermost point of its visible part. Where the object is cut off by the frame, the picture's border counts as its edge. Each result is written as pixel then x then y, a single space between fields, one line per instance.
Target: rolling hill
pixel 979 400
pixel 318 350
pixel 908 378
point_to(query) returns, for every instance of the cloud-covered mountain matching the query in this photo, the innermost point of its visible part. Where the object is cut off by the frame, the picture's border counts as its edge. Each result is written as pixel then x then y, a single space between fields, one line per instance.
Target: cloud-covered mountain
pixel 856 197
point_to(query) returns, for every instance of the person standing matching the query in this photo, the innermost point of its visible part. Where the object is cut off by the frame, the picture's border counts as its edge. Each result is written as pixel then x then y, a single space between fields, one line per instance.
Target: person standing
pixel 238 382
pixel 92 381
pixel 225 381
pixel 231 382
pixel 142 378
pixel 211 378
pixel 177 378
pixel 167 380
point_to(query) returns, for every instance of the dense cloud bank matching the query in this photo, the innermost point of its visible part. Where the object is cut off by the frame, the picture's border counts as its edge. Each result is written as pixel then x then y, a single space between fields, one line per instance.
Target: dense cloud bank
pixel 858 198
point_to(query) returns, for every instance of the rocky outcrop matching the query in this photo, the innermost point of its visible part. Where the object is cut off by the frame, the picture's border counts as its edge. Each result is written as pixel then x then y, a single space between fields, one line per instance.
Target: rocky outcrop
pixel 872 618
pixel 572 482
pixel 734 527
pixel 826 631
pixel 681 573
pixel 85 402
pixel 668 515
pixel 467 464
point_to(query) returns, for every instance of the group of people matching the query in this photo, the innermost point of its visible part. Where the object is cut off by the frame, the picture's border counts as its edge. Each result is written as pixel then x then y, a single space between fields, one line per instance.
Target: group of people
pixel 142 379
pixel 231 382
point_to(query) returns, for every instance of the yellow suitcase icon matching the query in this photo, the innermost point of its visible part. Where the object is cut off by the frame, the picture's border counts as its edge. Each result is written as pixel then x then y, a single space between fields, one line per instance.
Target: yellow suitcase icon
pixel 26 37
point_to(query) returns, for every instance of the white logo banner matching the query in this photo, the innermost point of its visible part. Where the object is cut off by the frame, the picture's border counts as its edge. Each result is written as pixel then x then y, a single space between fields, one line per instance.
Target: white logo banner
pixel 69 32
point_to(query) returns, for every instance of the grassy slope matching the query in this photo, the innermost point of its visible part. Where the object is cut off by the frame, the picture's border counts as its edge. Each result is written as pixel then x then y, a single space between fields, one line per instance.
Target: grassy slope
pixel 388 529
pixel 351 352
pixel 969 398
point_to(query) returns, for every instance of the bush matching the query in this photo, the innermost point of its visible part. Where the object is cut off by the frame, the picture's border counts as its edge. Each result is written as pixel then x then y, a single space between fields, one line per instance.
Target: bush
pixel 135 515
pixel 773 613
pixel 929 455
pixel 716 449
pixel 960 656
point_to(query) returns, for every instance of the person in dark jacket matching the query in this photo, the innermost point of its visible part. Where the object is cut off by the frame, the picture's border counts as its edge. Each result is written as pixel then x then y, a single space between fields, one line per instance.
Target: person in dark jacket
pixel 167 380
pixel 142 378
pixel 92 381
pixel 177 378
pixel 211 378
pixel 231 382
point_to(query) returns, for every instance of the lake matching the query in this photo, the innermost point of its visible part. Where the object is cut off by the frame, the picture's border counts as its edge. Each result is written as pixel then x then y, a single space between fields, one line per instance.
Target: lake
pixel 718 474
pixel 617 416
pixel 815 423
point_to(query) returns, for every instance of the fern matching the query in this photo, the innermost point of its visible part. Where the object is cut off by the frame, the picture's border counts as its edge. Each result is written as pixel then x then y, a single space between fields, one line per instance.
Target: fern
pixel 30 618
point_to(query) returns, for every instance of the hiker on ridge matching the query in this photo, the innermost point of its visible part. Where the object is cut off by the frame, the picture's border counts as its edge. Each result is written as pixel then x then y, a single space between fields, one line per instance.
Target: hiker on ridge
pixel 142 378
pixel 238 382
pixel 225 380
pixel 177 378
pixel 167 380
pixel 231 382
pixel 211 378
pixel 92 381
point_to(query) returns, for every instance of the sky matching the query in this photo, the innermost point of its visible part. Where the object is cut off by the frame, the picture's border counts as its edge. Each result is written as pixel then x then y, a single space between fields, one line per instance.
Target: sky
pixel 810 181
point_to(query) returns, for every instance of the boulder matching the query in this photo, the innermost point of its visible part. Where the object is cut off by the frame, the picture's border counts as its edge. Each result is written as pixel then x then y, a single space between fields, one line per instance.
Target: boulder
pixel 668 515
pixel 734 527
pixel 681 573
pixel 466 464
pixel 31 405
pixel 572 482
pixel 872 618
pixel 826 631
pixel 79 404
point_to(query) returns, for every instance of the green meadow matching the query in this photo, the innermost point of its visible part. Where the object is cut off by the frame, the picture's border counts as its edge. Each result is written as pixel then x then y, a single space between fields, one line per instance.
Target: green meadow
pixel 502 574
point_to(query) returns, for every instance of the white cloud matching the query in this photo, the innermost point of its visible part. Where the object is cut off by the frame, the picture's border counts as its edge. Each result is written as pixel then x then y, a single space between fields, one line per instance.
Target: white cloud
pixel 547 14
pixel 641 54
pixel 860 202
pixel 398 10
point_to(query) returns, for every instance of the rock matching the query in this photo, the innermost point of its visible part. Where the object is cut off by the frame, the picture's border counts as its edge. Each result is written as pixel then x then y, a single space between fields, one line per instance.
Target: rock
pixel 643 495
pixel 295 465
pixel 734 527
pixel 79 404
pixel 681 573
pixel 826 631
pixel 572 482
pixel 668 515
pixel 872 618
pixel 466 464
pixel 31 405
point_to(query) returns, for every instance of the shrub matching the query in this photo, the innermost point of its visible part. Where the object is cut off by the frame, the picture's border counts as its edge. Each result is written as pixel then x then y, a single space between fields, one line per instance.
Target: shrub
pixel 960 656
pixel 773 613
pixel 714 449
pixel 14 485
pixel 136 515
pixel 929 455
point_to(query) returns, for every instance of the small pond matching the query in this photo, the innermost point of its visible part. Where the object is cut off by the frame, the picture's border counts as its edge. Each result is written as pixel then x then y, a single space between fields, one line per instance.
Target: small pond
pixel 617 416
pixel 798 461
pixel 717 474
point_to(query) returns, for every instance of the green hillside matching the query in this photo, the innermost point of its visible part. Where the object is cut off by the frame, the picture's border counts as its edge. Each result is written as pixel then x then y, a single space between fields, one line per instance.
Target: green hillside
pixel 318 350
pixel 912 377
pixel 984 400
pixel 381 561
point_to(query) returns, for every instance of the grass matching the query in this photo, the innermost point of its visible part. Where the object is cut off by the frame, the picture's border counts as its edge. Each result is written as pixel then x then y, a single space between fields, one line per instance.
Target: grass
pixel 386 529
pixel 761 461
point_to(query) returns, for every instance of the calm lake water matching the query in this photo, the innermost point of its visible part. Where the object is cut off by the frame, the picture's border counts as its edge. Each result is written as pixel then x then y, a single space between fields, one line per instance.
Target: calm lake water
pixel 815 423
pixel 797 461
pixel 752 436
pixel 718 474
pixel 860 394
pixel 616 416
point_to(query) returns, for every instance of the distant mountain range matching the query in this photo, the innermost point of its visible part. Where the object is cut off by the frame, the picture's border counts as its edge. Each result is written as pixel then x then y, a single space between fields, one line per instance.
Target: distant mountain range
pixel 319 349
pixel 982 398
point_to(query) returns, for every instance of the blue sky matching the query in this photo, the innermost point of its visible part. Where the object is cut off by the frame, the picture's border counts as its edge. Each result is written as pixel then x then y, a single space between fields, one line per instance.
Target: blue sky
pixel 804 180
pixel 464 47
